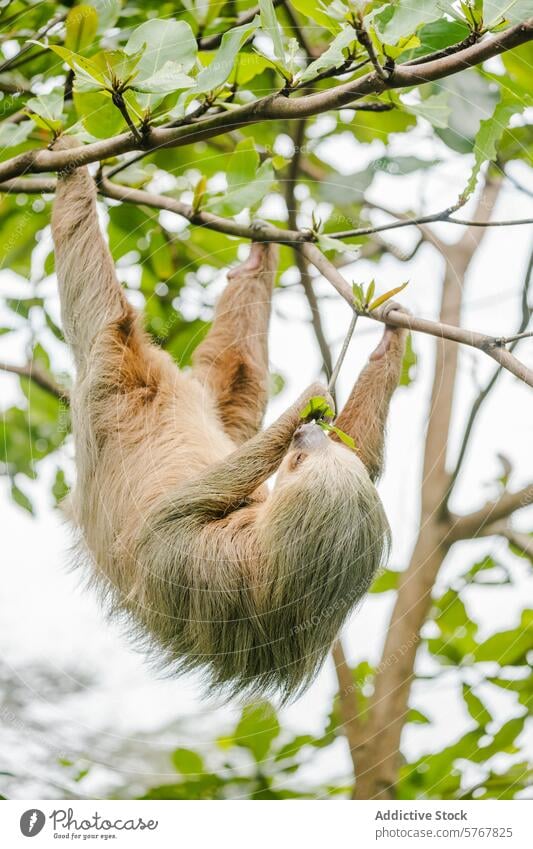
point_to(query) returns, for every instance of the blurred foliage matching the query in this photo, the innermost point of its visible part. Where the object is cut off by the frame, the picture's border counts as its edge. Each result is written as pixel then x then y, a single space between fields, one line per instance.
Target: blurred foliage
pixel 66 82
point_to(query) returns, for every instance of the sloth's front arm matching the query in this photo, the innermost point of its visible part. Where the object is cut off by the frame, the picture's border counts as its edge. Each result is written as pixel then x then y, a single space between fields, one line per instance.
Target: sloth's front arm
pixel 224 486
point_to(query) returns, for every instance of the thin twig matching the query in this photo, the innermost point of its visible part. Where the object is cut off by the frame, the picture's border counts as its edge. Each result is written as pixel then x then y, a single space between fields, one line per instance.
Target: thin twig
pixel 8 63
pixel 347 67
pixel 365 41
pixel 471 39
pixel 445 216
pixel 343 351
pixel 305 278
pixel 505 340
pixel 269 233
pixel 120 103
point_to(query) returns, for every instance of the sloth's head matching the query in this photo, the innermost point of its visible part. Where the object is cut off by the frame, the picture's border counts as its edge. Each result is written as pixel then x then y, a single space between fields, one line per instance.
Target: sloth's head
pixel 309 451
pixel 324 535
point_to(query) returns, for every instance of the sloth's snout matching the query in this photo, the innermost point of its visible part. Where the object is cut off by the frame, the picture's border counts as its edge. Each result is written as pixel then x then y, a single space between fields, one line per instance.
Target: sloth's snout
pixel 309 437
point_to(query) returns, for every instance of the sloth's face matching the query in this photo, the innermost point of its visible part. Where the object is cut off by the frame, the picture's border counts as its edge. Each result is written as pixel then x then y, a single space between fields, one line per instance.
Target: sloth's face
pixel 308 439
pixel 312 452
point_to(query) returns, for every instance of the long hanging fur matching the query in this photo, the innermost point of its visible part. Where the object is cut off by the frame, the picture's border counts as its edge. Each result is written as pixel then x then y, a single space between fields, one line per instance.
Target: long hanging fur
pixel 211 570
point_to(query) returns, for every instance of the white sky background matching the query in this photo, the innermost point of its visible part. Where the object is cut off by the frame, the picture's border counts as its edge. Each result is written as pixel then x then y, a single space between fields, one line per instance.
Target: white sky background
pixel 48 619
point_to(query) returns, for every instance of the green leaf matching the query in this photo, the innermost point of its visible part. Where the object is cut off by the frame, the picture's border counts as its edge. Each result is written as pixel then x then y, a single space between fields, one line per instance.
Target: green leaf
pixel 247 183
pixel 87 72
pixel 471 99
pixel 401 19
pixel 514 11
pixel 368 127
pixel 438 35
pixel 220 68
pixel 60 487
pixel 386 296
pixel 417 717
pixel 509 647
pixel 99 115
pixel 199 192
pixel 435 109
pixel 387 580
pixel 107 11
pixel 475 707
pixel 523 687
pixel 333 57
pixel 409 363
pixel 317 408
pixel 487 572
pixel 169 78
pixel 518 63
pixel 18 237
pixel 344 437
pixel 20 498
pixel 317 12
pixel 48 107
pixel 487 138
pixel 257 729
pixel 358 295
pixel 163 41
pixel 328 243
pixel 187 762
pixel 116 65
pixel 270 25
pixel 243 163
pixel 12 135
pixel 276 384
pixel 81 26
pixel 294 747
pixel 250 65
pixel 457 631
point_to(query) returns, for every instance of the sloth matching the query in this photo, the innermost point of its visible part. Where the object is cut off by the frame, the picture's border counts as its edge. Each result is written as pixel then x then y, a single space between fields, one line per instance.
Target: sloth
pixel 204 563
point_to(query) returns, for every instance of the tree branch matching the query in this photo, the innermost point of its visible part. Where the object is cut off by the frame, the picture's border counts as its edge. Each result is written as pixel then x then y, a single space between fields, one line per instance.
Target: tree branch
pixel 505 340
pixel 348 706
pixel 470 526
pixel 524 542
pixel 444 216
pixel 272 107
pixel 490 345
pixel 481 341
pixel 305 278
pixel 269 233
pixel 39 377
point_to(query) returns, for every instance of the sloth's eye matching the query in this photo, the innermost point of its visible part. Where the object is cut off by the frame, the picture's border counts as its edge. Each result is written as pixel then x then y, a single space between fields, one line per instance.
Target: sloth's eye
pixel 296 460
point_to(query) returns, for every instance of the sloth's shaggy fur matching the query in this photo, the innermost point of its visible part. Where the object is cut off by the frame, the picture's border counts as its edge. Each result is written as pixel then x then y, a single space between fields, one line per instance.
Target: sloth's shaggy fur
pixel 257 598
pixel 215 571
